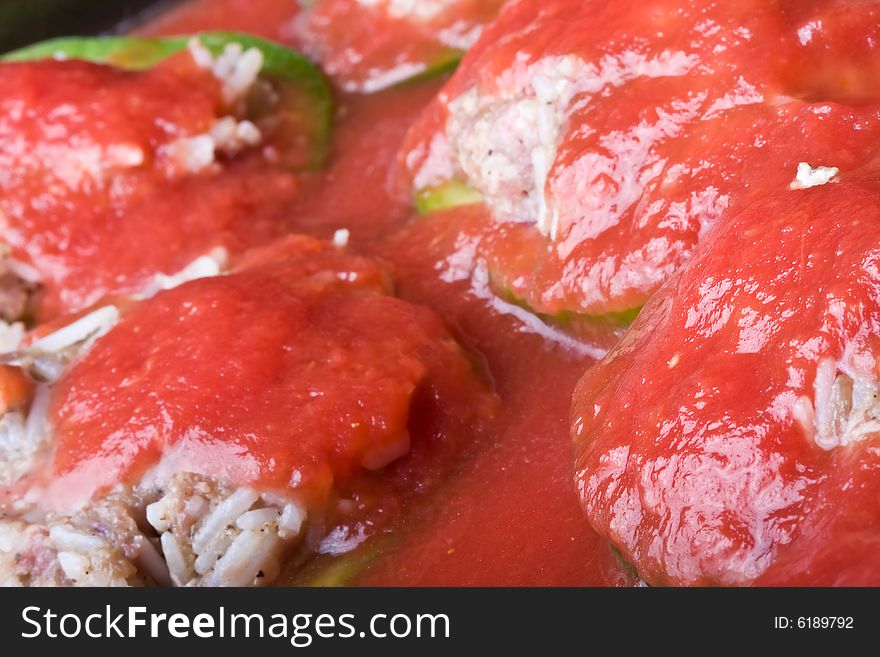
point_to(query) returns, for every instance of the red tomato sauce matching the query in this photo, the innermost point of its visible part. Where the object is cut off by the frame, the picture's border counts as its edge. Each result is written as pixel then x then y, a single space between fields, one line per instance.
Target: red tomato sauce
pixel 270 19
pixel 366 139
pixel 532 531
pixel 709 446
pixel 295 371
pixel 92 228
pixel 675 112
pixel 838 57
pixel 367 48
pixel 509 515
pixel 309 367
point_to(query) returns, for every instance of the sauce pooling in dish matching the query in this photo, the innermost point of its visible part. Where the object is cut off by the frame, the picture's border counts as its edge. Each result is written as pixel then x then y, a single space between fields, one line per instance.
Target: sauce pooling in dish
pixel 220 472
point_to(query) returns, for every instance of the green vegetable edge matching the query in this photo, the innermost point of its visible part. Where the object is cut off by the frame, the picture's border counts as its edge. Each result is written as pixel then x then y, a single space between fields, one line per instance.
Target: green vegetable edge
pixel 454 193
pixel 622 561
pixel 140 53
pixel 325 571
pixel 570 319
pixel 436 69
pixel 448 195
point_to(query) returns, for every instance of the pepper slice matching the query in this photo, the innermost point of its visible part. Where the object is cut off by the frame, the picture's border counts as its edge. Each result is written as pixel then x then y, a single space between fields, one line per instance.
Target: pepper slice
pixel 300 113
pixel 449 195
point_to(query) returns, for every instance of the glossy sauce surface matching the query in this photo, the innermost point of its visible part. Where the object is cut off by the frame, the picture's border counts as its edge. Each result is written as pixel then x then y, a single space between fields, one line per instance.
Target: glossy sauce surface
pixel 509 516
pixel 532 531
pixel 709 109
pixel 367 47
pixel 664 115
pixel 708 444
pixel 94 199
pixel 269 377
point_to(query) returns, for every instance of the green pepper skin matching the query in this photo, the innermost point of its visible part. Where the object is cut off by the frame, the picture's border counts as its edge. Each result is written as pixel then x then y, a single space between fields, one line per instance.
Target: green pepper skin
pixel 280 64
pixel 449 195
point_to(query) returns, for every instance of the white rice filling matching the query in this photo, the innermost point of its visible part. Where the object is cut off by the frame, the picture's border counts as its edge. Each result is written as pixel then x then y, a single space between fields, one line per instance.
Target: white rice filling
pixel 47 358
pixel 419 10
pixel 196 533
pixel 101 547
pixel 24 440
pixel 237 69
pixel 86 165
pixel 23 270
pixel 228 136
pixel 460 35
pixel 213 263
pixel 506 145
pixel 845 408
pixel 11 336
pixel 24 436
pixel 504 141
pixel 83 332
pixel 808 176
pixel 341 238
pixel 213 538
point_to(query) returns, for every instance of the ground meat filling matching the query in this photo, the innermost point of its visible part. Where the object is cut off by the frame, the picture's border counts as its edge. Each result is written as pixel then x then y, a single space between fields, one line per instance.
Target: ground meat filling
pixel 222 487
pixel 505 143
pixel 210 537
pixel 98 547
pixel 193 532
